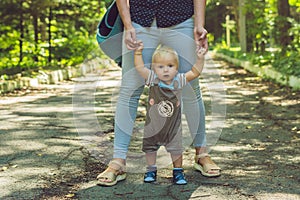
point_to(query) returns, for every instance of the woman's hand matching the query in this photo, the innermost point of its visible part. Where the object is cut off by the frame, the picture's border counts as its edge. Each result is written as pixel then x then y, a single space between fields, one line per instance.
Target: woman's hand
pixel 200 36
pixel 130 39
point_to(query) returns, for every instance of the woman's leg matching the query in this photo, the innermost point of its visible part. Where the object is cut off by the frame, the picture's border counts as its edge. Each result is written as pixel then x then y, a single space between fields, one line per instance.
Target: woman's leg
pixel 130 91
pixel 180 37
pixel 131 88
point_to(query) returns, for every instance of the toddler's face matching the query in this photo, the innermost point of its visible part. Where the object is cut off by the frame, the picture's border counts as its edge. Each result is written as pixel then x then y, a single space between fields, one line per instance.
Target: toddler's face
pixel 166 68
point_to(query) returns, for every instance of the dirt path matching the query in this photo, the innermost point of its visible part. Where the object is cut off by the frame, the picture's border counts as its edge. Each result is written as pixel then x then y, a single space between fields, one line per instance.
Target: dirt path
pixel 56 139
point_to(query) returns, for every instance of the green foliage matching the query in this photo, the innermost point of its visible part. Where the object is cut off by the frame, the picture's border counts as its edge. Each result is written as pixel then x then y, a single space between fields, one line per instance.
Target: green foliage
pixel 287 63
pixel 232 52
pixel 272 29
pixel 258 28
pixel 45 34
pixel 81 45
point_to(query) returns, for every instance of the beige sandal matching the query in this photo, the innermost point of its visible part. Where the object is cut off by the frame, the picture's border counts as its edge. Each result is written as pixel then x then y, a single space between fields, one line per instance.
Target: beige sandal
pixel 205 169
pixel 109 178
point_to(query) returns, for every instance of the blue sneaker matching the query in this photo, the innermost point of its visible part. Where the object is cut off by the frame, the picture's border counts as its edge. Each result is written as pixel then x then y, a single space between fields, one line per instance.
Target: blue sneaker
pixel 150 177
pixel 178 176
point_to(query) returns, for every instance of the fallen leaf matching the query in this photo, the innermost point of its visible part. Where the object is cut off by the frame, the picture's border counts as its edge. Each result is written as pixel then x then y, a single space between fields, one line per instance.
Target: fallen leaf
pixel 4 168
pixel 70 195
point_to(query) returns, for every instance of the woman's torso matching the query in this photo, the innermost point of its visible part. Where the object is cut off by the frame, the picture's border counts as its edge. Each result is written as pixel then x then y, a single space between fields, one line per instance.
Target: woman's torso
pixel 166 12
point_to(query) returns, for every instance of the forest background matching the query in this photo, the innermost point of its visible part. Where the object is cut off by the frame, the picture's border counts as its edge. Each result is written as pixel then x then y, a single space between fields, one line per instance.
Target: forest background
pixel 42 35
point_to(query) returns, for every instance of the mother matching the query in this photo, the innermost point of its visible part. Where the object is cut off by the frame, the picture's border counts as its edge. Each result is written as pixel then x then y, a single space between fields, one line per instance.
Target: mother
pixel 178 24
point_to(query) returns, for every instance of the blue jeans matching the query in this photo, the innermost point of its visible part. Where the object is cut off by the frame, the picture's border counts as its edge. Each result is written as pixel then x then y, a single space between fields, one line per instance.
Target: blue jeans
pixel 181 38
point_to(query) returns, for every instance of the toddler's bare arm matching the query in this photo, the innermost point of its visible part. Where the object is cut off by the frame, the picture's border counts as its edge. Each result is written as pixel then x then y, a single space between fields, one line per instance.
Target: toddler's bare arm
pixel 197 67
pixel 139 62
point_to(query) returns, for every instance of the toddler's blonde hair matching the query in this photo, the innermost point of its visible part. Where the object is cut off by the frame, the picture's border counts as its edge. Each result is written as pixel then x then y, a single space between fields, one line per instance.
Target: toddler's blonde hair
pixel 163 51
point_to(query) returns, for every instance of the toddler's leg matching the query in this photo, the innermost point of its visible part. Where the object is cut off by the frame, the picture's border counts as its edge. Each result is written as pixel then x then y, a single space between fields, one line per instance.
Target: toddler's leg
pixel 178 175
pixel 150 175
pixel 177 160
pixel 151 158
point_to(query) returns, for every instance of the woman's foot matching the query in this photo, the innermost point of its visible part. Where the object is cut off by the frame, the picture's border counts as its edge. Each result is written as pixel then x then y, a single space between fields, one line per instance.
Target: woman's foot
pixel 206 166
pixel 114 172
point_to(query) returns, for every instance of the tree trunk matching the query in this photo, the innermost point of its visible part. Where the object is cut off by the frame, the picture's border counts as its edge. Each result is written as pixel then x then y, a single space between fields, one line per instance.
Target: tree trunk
pixel 36 35
pixel 242 26
pixel 21 32
pixel 49 35
pixel 283 25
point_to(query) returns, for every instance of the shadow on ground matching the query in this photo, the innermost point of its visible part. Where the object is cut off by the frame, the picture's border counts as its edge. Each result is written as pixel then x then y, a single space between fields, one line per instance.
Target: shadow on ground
pixel 47 154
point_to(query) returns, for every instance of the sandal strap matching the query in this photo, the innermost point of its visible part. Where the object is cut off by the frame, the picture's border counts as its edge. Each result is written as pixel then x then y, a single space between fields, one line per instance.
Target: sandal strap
pixel 200 156
pixel 107 175
pixel 208 166
pixel 120 166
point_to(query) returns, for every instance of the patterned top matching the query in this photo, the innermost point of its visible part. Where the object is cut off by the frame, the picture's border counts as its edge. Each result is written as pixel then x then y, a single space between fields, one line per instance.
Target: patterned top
pixel 166 12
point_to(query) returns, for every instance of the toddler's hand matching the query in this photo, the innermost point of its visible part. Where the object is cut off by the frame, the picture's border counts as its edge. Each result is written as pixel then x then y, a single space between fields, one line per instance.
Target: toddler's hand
pixel 140 45
pixel 200 51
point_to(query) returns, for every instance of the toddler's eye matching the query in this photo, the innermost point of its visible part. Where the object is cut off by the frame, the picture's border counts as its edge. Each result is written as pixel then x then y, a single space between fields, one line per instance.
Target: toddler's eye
pixel 160 66
pixel 170 66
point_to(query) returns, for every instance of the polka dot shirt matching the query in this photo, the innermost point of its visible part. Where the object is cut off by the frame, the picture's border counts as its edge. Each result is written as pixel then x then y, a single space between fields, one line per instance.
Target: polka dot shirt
pixel 167 12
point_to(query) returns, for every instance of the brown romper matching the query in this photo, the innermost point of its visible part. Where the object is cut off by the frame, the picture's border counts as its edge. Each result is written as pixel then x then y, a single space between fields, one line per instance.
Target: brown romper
pixel 163 118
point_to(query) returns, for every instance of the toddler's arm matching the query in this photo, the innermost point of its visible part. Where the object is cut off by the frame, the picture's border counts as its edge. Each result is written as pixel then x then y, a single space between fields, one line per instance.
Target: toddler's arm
pixel 139 62
pixel 197 67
